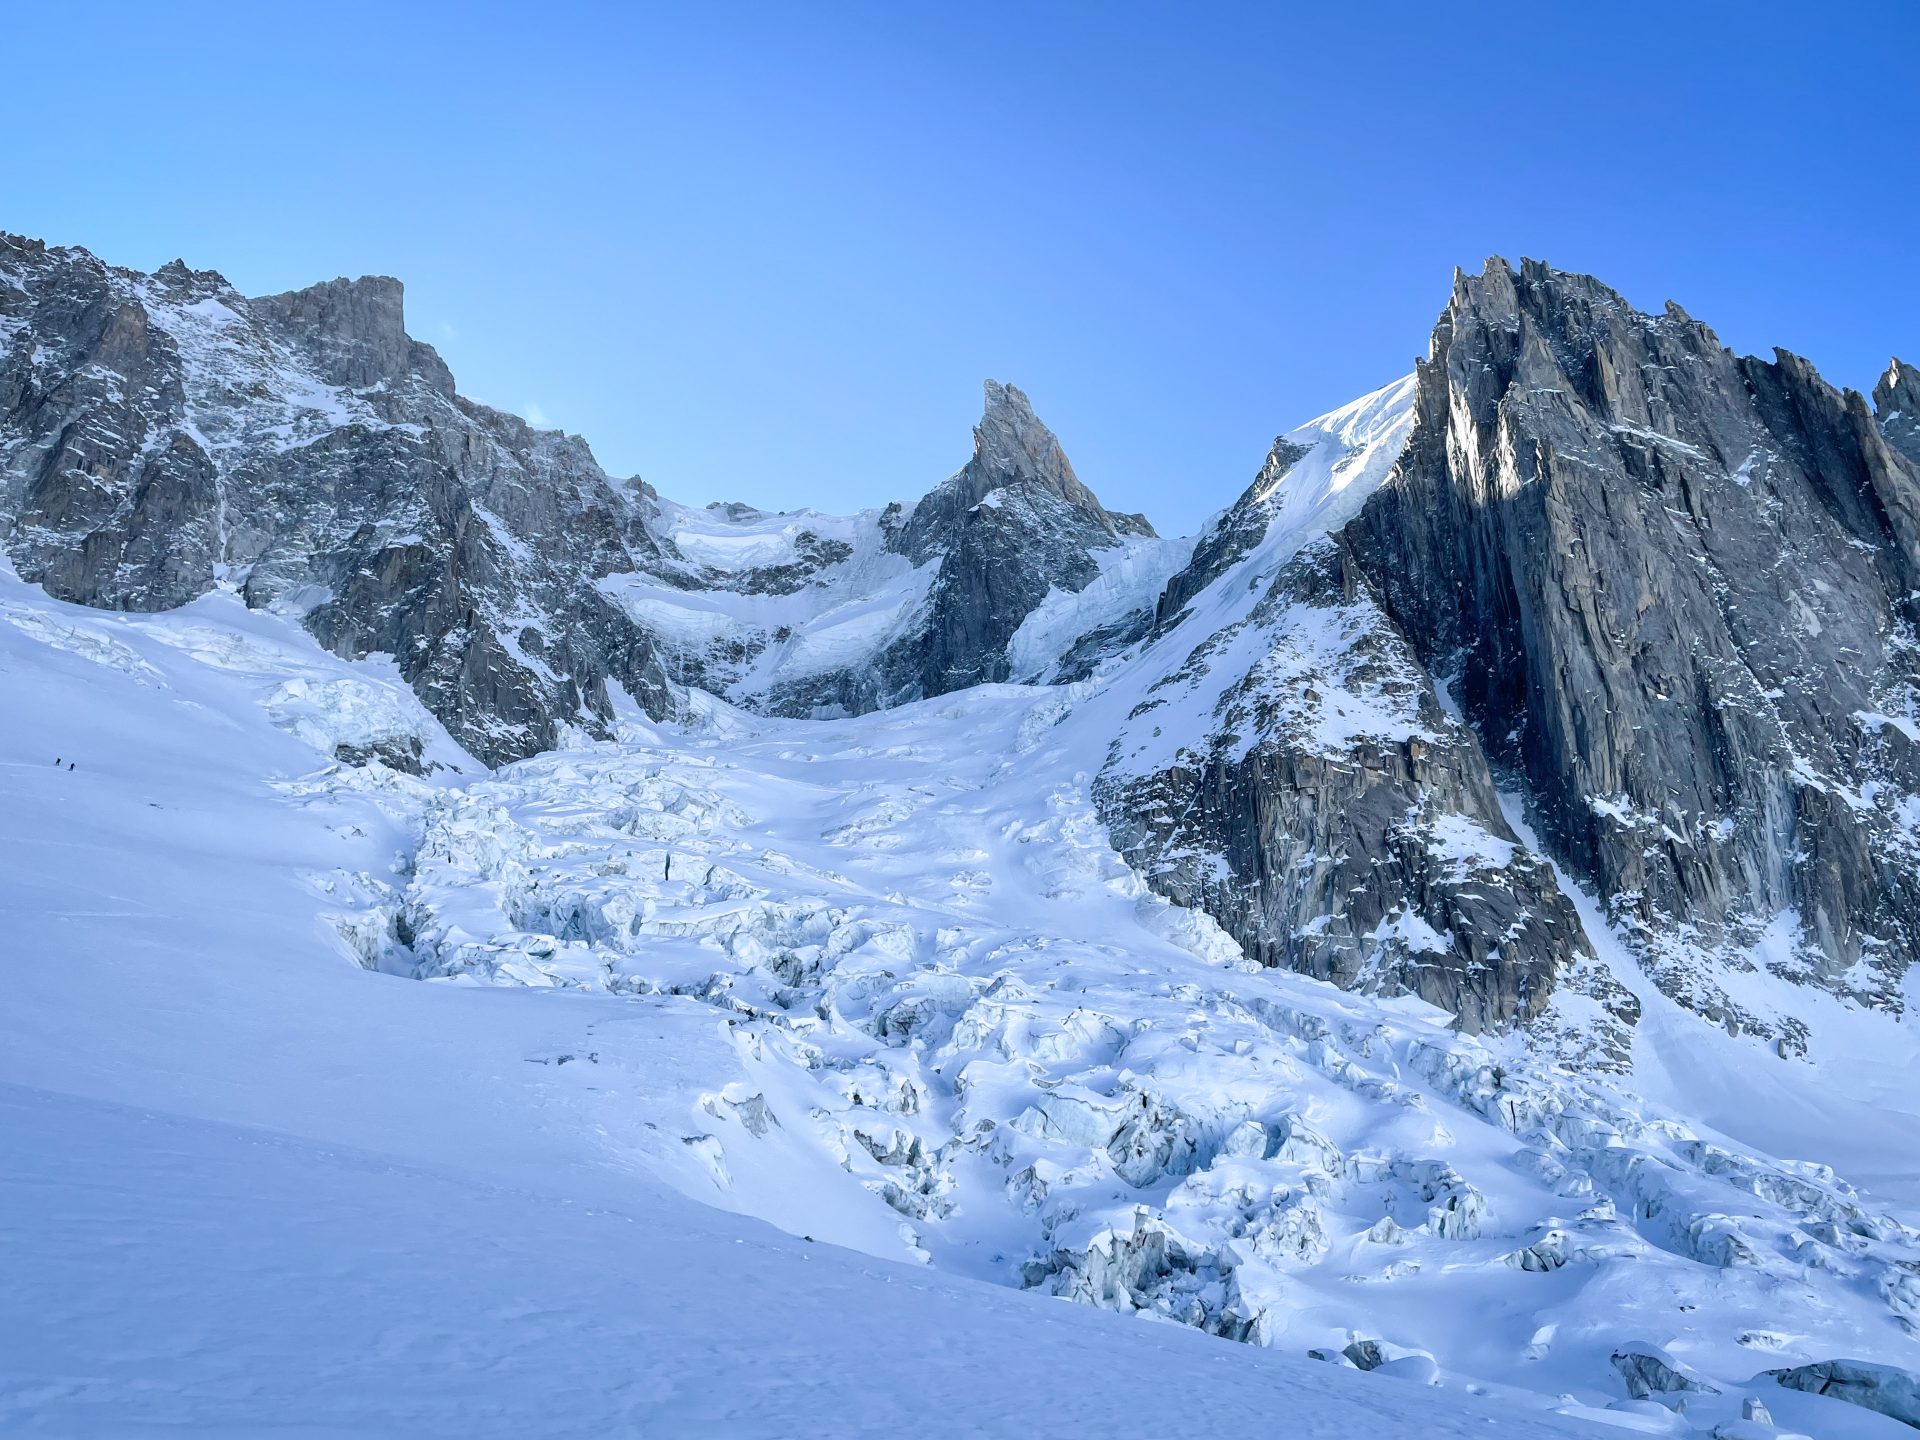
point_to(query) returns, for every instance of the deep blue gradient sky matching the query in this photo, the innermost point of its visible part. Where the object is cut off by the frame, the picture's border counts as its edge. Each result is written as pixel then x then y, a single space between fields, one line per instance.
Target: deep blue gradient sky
pixel 769 253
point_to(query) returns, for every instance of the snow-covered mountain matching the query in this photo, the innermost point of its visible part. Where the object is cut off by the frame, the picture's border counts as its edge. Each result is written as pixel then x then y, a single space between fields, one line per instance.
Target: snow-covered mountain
pixel 1452 918
pixel 161 435
pixel 1011 569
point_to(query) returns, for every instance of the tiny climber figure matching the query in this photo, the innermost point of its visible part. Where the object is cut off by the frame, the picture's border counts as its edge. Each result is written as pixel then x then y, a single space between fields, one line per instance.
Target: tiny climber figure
pixel 69 764
pixel 56 762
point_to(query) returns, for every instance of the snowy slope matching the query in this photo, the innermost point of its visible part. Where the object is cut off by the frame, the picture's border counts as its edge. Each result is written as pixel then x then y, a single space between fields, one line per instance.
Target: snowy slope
pixel 1326 470
pixel 895 993
pixel 1132 575
pixel 253 1187
pixel 332 1291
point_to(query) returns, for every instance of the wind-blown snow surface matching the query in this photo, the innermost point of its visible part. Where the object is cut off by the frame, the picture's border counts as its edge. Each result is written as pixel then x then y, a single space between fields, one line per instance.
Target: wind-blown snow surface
pixel 892 992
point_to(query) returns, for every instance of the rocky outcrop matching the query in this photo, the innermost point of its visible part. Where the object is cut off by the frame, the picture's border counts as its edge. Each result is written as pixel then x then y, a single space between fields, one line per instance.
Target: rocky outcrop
pixel 1332 817
pixel 354 331
pixel 1650 1371
pixel 1884 1389
pixel 1673 591
pixel 1896 406
pixel 161 434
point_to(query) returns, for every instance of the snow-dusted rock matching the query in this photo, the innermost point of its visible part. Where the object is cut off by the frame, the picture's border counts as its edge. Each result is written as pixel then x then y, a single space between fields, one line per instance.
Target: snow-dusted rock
pixel 1884 1389
pixel 1289 768
pixel 161 434
pixel 1649 1371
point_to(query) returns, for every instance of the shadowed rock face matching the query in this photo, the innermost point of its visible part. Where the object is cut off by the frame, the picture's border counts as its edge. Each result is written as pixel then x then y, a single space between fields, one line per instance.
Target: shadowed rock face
pixel 1673 590
pixel 1013 524
pixel 1289 767
pixel 161 433
pixel 1374 856
pixel 354 331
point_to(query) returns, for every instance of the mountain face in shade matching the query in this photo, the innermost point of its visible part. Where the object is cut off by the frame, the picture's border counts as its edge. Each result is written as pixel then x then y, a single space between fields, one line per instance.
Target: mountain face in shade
pixel 1290 768
pixel 1673 591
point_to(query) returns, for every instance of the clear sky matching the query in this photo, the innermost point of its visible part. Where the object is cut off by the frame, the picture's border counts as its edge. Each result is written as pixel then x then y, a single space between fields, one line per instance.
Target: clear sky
pixel 770 252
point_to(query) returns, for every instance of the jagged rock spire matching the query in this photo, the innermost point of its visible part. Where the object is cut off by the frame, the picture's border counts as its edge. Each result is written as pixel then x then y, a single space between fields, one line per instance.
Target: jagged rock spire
pixel 1896 405
pixel 1011 445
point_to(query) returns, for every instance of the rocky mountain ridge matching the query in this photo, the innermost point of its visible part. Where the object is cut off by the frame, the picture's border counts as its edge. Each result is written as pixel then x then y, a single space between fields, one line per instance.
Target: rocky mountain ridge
pixel 161 434
pixel 1584 577
pixel 1674 592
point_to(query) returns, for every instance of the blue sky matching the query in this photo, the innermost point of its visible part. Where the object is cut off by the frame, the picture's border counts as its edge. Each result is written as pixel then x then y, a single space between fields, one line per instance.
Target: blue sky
pixel 770 252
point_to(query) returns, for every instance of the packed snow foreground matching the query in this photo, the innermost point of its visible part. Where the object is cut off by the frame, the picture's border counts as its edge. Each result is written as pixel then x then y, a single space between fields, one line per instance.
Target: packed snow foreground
pixel 750 1047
